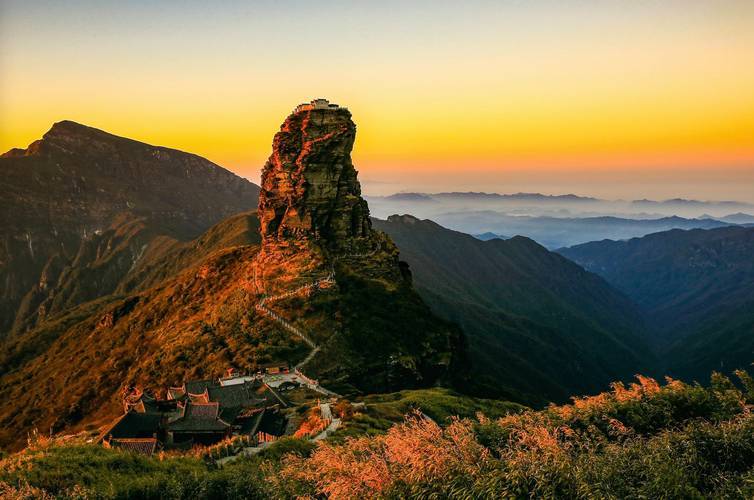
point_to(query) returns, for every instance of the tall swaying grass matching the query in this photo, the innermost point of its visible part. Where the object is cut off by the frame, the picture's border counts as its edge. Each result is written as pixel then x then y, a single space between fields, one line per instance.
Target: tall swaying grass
pixel 640 441
pixel 644 440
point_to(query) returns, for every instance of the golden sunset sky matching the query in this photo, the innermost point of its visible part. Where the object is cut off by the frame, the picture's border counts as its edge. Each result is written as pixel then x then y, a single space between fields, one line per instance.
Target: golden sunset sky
pixel 639 98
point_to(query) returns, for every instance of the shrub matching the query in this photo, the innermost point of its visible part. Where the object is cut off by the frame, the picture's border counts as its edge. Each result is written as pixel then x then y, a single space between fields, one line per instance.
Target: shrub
pixel 640 441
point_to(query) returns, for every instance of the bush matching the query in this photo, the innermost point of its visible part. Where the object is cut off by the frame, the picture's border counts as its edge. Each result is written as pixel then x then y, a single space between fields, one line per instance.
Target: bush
pixel 644 441
pixel 285 446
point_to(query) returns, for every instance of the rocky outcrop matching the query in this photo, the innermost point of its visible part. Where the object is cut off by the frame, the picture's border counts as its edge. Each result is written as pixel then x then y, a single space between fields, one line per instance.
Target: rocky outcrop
pixel 310 192
pixel 311 212
pixel 373 328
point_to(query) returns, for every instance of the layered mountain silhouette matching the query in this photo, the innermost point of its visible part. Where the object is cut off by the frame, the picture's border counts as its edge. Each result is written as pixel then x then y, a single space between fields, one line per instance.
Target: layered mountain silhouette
pixel 81 208
pixel 696 288
pixel 555 221
pixel 557 232
pixel 539 328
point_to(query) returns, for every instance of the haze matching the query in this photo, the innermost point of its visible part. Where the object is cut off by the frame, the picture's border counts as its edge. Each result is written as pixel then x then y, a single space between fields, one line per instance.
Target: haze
pixel 610 99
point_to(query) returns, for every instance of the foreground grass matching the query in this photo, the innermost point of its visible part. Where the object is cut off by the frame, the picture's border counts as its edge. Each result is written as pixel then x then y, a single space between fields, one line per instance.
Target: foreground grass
pixel 382 411
pixel 73 470
pixel 642 441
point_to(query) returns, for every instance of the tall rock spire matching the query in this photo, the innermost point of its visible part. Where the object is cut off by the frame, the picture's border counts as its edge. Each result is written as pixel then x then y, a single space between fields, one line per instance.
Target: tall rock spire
pixel 371 327
pixel 310 193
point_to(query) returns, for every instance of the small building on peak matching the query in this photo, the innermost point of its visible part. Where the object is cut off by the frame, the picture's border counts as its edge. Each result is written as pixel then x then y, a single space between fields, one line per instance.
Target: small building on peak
pixel 318 103
pixel 274 368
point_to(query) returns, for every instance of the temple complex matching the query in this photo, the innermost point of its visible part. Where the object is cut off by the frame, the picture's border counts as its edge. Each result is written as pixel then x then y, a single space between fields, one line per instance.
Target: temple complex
pixel 199 413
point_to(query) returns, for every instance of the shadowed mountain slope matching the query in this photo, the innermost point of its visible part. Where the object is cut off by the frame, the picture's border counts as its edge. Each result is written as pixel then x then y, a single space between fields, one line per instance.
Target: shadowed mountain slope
pixel 696 288
pixel 536 324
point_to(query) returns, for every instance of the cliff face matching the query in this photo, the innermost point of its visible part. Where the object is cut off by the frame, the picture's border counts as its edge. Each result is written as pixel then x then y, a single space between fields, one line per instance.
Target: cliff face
pixel 310 192
pixel 311 211
pixel 79 208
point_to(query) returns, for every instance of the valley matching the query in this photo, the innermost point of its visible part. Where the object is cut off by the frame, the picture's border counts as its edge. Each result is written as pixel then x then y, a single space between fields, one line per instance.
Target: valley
pixel 696 289
pixel 538 327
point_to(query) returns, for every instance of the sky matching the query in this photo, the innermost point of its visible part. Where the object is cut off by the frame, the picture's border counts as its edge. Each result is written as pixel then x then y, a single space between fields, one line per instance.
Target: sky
pixel 620 99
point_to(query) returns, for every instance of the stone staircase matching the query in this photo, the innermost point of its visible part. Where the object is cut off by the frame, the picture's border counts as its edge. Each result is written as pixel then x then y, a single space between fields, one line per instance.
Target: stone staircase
pixel 263 308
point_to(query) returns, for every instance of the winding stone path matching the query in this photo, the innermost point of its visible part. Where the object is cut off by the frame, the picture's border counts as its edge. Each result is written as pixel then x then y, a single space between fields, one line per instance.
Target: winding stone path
pixel 264 309
pixel 308 289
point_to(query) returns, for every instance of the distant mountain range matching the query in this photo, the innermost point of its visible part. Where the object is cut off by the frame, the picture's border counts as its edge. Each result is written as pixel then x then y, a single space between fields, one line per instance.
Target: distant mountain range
pixel 560 220
pixel 556 232
pixel 538 326
pixel 737 218
pixel 491 236
pixel 539 197
pixel 696 288
pixel 692 203
pixel 470 195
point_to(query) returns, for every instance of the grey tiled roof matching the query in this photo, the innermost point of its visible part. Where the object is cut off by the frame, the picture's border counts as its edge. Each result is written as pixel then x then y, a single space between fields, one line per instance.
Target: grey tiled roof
pixel 198 424
pixel 202 410
pixel 143 446
pixel 198 386
pixel 236 396
pixel 199 418
pixel 135 425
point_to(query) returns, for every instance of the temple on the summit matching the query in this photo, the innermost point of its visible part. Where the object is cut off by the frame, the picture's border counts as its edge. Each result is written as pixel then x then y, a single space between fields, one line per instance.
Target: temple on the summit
pixel 317 104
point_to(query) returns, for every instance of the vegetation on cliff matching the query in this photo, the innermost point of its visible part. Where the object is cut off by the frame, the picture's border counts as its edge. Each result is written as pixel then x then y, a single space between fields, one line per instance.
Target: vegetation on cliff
pixel 695 287
pixel 309 281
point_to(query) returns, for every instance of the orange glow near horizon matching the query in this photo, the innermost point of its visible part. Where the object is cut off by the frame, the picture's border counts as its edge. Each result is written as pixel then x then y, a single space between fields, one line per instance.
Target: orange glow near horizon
pixel 542 88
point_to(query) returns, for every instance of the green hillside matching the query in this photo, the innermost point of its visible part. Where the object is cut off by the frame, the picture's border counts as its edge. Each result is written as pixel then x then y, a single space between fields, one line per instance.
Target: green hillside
pixel 539 328
pixel 696 289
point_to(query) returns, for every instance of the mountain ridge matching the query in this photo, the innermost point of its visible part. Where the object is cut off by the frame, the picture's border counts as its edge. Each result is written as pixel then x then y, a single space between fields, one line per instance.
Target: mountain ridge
pixel 81 201
pixel 416 195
